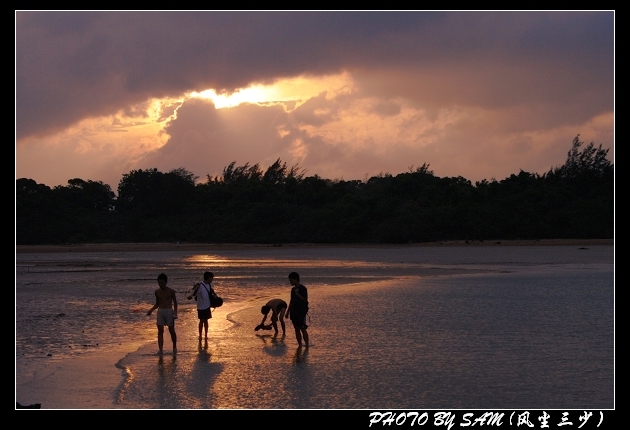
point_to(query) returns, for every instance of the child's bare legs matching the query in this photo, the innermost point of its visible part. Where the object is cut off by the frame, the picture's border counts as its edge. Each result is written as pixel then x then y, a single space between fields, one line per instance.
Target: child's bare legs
pixel 298 335
pixel 282 322
pixel 171 330
pixel 301 333
pixel 203 326
pixel 160 337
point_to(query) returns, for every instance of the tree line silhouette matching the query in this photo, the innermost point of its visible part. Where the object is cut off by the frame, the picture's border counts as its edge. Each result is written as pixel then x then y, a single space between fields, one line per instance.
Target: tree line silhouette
pixel 283 205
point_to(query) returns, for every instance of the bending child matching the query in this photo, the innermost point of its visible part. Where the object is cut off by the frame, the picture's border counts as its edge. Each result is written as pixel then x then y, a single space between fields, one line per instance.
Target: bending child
pixel 277 308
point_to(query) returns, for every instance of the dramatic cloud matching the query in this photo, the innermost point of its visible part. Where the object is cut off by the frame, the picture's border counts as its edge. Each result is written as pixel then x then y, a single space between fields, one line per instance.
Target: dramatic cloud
pixel 344 94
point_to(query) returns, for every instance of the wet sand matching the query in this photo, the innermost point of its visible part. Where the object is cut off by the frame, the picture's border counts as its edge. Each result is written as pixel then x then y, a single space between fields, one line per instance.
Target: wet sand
pixel 232 371
pixel 136 377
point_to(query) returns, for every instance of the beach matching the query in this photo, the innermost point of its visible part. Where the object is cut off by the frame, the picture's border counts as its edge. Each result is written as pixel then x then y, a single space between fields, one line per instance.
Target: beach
pixel 185 246
pixel 455 325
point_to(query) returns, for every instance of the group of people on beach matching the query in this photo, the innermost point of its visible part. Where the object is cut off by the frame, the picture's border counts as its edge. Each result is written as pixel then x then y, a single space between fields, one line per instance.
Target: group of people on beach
pixel 166 305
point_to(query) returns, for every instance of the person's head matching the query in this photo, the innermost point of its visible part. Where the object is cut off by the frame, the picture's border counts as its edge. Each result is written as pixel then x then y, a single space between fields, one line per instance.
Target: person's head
pixel 265 310
pixel 207 276
pixel 294 278
pixel 162 279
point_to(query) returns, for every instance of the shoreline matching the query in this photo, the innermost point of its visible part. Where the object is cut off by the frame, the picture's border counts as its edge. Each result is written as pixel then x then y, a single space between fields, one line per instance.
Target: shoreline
pixel 182 246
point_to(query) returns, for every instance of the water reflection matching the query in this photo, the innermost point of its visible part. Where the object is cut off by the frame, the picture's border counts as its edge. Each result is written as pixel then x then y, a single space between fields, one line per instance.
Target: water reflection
pixel 273 344
pixel 166 382
pixel 300 382
pixel 203 347
pixel 203 260
pixel 198 392
pixel 301 354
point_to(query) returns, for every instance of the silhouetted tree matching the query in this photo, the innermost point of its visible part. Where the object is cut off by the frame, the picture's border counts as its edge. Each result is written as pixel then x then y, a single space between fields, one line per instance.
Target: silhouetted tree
pixel 590 161
pixel 91 196
pixel 245 204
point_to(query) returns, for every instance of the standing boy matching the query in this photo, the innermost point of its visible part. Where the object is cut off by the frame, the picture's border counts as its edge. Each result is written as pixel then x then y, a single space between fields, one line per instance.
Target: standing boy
pixel 298 308
pixel 166 304
pixel 202 293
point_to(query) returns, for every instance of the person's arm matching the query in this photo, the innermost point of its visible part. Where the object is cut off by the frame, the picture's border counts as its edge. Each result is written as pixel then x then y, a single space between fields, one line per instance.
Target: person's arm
pixel 174 302
pixel 194 291
pixel 263 320
pixel 301 297
pixel 155 306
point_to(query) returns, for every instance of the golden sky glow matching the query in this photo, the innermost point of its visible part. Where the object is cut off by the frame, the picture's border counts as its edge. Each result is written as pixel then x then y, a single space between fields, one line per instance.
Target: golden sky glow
pixel 363 131
pixel 296 90
pixel 97 99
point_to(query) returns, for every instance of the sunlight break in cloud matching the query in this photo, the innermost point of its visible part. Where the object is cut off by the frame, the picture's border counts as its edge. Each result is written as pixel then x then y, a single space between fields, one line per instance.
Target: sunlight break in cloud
pixel 291 92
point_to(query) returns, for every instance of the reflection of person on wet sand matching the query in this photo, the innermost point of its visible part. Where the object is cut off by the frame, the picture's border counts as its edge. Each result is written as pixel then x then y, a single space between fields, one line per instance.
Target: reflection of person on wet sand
pixel 300 355
pixel 204 346
pixel 166 304
pixel 277 308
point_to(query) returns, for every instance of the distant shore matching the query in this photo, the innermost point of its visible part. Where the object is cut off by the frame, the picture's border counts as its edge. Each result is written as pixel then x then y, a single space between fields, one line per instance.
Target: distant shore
pixel 183 246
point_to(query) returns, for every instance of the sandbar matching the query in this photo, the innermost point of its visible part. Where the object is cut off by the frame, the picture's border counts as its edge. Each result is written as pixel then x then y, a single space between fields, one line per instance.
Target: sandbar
pixel 184 246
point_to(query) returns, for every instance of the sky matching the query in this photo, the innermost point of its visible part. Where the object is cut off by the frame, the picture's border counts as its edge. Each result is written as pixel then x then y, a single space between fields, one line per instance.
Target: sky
pixel 342 95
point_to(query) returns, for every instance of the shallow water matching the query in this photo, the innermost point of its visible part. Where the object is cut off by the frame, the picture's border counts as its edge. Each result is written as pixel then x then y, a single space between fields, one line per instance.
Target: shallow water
pixel 390 327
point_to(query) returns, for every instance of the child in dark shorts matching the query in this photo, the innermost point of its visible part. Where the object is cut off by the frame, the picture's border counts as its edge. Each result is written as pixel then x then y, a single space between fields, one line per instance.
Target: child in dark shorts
pixel 298 308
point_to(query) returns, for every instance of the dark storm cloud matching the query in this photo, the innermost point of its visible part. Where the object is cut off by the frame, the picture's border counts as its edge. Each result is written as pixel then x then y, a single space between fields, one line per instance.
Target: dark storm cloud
pixel 72 65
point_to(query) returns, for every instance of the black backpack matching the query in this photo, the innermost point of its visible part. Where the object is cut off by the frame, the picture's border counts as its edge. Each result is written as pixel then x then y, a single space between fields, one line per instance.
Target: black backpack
pixel 215 301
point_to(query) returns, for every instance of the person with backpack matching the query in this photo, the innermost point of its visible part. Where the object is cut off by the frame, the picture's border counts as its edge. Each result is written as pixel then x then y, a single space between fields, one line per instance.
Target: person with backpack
pixel 202 291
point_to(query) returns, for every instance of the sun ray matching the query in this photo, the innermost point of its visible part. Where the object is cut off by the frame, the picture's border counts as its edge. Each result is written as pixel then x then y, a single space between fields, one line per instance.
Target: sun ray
pixel 296 90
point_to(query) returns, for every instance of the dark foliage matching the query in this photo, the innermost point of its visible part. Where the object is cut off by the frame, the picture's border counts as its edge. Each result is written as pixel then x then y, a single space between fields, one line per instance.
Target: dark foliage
pixel 282 205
